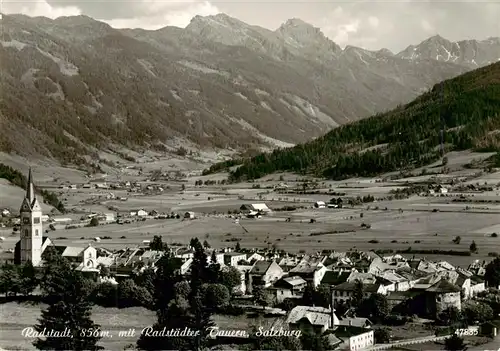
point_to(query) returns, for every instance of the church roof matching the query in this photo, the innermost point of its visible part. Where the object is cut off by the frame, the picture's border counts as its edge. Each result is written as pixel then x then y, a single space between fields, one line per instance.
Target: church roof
pixel 30 202
pixel 443 286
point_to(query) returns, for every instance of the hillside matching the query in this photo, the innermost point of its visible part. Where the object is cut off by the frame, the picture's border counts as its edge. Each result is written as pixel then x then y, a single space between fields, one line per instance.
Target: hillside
pixel 466 107
pixel 13 186
pixel 73 85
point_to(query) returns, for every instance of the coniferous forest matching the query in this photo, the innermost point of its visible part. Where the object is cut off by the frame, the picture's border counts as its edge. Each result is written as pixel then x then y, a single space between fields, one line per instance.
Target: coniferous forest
pixel 466 108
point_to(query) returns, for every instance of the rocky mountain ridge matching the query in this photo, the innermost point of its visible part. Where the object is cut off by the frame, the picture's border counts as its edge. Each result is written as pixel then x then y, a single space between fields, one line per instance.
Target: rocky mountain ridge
pixel 469 53
pixel 74 85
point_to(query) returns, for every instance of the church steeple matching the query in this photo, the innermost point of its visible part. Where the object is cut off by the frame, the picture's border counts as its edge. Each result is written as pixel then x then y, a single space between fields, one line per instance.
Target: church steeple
pixel 30 202
pixel 31 229
pixel 30 189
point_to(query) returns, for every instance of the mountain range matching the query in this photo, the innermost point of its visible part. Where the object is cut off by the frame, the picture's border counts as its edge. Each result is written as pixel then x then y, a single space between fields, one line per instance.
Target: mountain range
pixel 73 85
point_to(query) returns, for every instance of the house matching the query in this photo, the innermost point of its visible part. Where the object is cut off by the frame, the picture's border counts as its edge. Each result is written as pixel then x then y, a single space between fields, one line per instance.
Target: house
pixel 264 273
pixel 477 285
pixel 440 296
pixel 252 257
pixel 219 257
pixel 345 291
pixel 60 219
pixel 332 278
pixel 139 213
pixel 189 215
pixel 319 204
pixel 311 319
pixel 358 322
pixel 355 338
pixel 184 253
pixel 288 263
pixel 260 208
pixel 232 258
pixel 181 266
pixel 289 288
pixel 312 272
pixel 400 283
pixel 83 259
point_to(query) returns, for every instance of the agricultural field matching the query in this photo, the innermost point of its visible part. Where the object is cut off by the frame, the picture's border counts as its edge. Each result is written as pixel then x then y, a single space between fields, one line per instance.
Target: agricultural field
pixel 419 222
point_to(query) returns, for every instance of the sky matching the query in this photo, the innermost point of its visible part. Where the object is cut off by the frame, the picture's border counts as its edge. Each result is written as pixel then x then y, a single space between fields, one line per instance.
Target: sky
pixel 368 24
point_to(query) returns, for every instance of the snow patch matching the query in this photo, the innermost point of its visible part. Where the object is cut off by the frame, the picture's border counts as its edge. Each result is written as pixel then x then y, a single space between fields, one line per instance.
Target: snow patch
pixel 266 106
pixel 66 68
pixel 284 102
pixel 148 67
pixel 241 96
pixel 175 95
pixel 261 92
pixel 313 111
pixel 204 69
pixel 14 44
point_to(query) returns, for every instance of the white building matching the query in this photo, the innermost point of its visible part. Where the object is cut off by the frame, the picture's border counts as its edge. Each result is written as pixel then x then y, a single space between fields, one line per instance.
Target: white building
pixel 319 204
pixel 260 208
pixel 139 213
pixel 189 215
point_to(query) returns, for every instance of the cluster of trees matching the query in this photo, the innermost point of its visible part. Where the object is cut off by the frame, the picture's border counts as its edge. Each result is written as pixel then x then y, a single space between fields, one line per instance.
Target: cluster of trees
pixel 472 312
pixel 12 175
pixel 404 138
pixel 18 279
pixel 492 273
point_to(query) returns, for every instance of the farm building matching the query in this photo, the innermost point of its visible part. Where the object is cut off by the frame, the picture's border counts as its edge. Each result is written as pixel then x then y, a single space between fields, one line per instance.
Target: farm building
pixel 60 219
pixel 319 204
pixel 189 215
pixel 249 208
pixel 139 213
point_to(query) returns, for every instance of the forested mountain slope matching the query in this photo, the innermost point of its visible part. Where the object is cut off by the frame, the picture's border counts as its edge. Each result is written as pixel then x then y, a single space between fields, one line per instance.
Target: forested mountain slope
pixel 466 107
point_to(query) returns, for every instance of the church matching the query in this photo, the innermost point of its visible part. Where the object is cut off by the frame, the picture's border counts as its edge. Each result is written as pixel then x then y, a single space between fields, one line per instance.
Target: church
pixel 33 243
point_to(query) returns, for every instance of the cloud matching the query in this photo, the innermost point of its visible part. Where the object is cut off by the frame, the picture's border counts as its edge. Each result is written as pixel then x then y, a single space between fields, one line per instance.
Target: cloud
pixel 38 8
pixel 344 25
pixel 373 21
pixel 427 26
pixel 156 15
pixel 398 24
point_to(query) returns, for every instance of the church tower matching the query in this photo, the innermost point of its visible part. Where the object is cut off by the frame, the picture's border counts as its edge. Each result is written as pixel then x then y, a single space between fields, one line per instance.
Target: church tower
pixel 31 226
